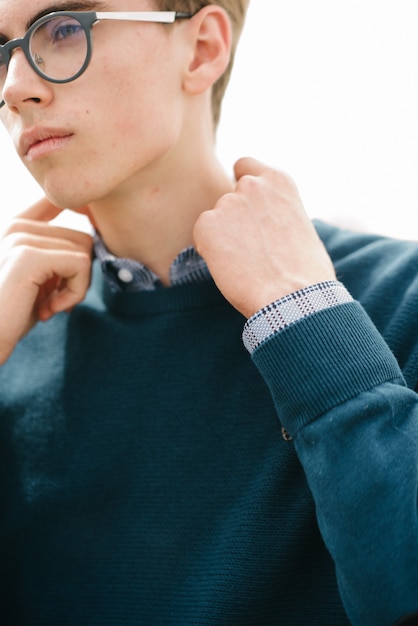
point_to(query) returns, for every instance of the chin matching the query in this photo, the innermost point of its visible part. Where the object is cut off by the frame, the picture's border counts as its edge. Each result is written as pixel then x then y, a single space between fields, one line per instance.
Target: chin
pixel 64 201
pixel 67 194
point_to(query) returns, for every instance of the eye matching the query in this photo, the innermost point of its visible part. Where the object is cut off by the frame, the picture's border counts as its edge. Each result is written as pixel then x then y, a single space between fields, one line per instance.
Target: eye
pixel 57 30
pixel 65 31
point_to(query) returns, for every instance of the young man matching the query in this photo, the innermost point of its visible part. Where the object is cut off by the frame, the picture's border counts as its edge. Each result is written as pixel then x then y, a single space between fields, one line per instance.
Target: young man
pixel 153 469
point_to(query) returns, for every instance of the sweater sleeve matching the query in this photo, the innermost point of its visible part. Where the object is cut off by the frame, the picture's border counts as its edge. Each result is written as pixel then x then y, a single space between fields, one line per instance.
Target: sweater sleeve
pixel 340 393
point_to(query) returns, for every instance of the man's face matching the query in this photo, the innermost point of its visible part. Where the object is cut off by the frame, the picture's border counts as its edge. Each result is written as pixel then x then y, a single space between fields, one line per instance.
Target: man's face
pixel 102 133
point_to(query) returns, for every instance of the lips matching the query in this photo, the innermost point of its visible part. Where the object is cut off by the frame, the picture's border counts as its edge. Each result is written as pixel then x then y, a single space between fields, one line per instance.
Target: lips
pixel 38 138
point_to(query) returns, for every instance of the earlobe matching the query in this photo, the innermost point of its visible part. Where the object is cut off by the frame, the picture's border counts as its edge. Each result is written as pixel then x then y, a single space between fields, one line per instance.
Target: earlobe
pixel 211 40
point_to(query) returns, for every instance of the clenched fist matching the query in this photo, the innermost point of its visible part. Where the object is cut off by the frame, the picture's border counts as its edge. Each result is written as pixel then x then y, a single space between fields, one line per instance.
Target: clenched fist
pixel 258 242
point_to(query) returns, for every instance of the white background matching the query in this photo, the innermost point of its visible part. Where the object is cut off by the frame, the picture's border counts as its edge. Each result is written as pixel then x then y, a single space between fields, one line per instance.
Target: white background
pixel 326 90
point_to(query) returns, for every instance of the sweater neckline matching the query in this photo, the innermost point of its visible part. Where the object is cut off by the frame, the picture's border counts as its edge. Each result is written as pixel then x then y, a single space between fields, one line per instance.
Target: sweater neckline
pixel 198 295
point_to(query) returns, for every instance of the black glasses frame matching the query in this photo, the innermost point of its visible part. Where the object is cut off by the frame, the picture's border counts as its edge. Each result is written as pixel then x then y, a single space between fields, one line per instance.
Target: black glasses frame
pixel 87 19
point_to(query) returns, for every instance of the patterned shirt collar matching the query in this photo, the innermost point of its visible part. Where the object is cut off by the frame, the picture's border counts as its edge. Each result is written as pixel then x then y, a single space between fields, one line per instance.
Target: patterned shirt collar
pixel 130 275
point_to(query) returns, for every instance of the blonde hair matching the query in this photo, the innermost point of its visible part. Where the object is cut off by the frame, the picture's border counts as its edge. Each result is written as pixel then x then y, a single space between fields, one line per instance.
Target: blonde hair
pixel 236 10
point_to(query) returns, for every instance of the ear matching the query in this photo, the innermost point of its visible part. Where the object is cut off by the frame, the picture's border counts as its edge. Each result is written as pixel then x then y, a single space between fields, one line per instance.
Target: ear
pixel 210 48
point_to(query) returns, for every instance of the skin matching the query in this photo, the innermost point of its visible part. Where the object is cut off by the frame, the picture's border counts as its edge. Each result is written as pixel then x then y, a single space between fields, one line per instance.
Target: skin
pixel 139 159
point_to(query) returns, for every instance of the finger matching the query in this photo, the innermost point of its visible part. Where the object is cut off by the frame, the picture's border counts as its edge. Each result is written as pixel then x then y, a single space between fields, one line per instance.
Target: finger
pixel 42 210
pixel 27 278
pixel 45 211
pixel 247 166
pixel 28 232
pixel 62 299
pixel 73 270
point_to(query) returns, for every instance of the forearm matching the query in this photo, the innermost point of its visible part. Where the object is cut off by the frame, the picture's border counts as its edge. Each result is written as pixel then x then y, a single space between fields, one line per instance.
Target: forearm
pixel 341 396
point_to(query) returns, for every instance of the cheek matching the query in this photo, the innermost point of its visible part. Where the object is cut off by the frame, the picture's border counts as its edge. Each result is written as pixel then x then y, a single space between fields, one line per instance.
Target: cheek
pixel 142 111
pixel 142 78
pixel 11 125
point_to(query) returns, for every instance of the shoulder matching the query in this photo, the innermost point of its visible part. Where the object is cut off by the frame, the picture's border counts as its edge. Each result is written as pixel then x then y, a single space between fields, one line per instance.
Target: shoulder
pixel 369 264
pixel 382 274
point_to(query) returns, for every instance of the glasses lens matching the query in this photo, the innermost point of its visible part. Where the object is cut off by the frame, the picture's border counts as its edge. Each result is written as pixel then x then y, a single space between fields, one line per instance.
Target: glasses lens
pixel 59 47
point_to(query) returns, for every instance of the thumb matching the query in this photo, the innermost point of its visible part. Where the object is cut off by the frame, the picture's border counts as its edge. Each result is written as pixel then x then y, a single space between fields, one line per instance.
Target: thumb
pixel 42 210
pixel 247 166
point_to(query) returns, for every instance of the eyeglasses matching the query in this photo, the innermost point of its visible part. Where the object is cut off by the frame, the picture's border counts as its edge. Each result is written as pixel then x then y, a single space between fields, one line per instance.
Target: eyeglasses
pixel 58 46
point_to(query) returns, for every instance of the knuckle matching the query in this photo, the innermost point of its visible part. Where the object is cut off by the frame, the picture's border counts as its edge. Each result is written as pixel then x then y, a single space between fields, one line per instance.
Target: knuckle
pixel 84 262
pixel 13 226
pixel 202 231
pixel 76 237
pixel 12 239
pixel 203 221
pixel 19 253
pixel 229 200
pixel 87 241
pixel 249 183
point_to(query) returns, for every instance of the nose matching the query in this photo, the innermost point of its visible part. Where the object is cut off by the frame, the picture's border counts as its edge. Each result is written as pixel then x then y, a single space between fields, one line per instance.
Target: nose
pixel 22 85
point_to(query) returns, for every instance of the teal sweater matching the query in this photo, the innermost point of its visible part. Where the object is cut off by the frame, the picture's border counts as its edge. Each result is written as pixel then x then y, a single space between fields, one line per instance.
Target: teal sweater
pixel 145 479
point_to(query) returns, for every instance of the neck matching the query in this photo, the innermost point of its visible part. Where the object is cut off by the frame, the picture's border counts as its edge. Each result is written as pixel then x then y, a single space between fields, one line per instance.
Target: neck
pixel 152 218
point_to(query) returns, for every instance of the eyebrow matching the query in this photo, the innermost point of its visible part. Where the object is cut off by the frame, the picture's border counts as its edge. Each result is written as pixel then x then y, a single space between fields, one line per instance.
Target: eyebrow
pixel 81 5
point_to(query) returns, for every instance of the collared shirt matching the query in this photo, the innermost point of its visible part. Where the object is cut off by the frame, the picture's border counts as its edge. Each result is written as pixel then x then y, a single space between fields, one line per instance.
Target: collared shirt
pixel 189 267
pixel 130 275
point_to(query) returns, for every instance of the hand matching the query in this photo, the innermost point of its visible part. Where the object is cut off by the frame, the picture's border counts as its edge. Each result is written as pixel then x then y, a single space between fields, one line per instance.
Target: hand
pixel 258 242
pixel 44 269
